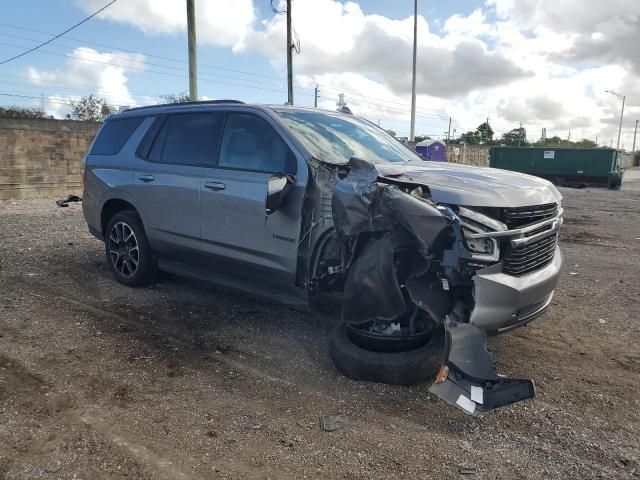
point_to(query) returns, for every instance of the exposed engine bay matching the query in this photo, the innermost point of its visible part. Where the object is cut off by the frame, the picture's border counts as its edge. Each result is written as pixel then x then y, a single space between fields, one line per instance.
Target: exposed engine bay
pixel 407 266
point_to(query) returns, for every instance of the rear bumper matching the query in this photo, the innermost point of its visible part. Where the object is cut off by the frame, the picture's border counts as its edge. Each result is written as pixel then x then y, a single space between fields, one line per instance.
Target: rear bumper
pixel 504 302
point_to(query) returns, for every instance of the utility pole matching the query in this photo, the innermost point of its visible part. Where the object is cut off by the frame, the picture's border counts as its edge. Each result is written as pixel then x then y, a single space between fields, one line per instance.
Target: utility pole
pixel 449 129
pixel 486 130
pixel 520 134
pixel 620 127
pixel 191 38
pixel 412 134
pixel 315 98
pixel 635 132
pixel 596 142
pixel 289 57
pixel 621 114
pixel 569 136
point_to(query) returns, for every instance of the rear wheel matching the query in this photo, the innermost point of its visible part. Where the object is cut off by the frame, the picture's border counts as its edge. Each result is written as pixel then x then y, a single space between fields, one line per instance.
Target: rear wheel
pixel 128 252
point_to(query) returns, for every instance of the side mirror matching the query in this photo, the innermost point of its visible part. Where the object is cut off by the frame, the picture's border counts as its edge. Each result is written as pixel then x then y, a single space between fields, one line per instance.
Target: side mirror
pixel 277 188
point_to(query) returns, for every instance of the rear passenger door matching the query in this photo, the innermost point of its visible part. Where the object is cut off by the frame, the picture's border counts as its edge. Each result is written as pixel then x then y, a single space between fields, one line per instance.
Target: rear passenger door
pixel 168 180
pixel 240 238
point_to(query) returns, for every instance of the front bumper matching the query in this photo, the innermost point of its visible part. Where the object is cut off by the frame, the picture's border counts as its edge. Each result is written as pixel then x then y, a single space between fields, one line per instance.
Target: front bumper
pixel 504 302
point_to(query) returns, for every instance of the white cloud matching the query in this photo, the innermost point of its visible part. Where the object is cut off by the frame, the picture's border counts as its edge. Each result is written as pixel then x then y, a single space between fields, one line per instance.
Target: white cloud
pixel 601 31
pixel 338 38
pixel 221 22
pixel 104 74
pixel 545 63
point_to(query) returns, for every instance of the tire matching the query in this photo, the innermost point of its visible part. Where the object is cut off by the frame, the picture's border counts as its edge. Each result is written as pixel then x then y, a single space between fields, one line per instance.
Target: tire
pixel 129 225
pixel 401 368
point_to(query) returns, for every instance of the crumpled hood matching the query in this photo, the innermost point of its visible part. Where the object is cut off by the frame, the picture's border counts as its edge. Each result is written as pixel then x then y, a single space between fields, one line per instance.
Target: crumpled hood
pixel 473 186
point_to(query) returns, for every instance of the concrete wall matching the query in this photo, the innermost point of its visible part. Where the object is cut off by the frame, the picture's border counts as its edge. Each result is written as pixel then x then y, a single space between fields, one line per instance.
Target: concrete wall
pixel 41 158
pixel 477 155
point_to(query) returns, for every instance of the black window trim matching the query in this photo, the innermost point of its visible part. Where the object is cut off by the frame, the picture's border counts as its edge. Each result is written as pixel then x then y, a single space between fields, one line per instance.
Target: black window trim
pixel 144 149
pixel 236 169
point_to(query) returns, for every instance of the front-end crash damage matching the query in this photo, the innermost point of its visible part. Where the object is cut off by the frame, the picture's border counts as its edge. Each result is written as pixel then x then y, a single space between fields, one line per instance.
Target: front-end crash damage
pixel 409 265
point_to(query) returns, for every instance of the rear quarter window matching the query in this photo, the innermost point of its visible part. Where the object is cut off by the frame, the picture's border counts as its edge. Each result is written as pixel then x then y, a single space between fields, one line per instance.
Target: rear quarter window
pixel 113 135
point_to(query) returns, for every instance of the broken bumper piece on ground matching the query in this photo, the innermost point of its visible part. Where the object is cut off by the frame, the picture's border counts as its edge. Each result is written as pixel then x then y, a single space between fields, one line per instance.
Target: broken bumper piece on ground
pixel 468 379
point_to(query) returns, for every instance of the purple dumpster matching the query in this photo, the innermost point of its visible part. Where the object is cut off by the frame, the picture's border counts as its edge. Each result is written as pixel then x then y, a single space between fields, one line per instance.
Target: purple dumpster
pixel 434 150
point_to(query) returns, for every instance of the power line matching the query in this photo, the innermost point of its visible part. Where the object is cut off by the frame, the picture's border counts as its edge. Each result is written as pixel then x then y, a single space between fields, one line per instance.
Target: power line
pixel 34 97
pixel 54 84
pixel 79 91
pixel 129 63
pixel 136 65
pixel 60 34
pixel 125 50
pixel 351 94
pixel 130 67
pixel 356 97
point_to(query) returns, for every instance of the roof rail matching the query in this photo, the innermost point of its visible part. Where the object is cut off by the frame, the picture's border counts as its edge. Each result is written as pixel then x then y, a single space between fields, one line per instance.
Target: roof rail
pixel 198 102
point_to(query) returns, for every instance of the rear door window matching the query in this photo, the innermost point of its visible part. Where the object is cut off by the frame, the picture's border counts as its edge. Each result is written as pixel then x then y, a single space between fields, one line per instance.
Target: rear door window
pixel 189 139
pixel 114 134
pixel 250 143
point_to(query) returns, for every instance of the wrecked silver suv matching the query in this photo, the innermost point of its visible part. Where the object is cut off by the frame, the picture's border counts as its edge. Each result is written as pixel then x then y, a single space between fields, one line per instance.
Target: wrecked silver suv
pixel 306 206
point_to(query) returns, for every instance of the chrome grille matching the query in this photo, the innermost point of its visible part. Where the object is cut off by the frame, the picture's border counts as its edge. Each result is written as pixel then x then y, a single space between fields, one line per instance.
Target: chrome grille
pixel 521 216
pixel 523 259
pixel 529 258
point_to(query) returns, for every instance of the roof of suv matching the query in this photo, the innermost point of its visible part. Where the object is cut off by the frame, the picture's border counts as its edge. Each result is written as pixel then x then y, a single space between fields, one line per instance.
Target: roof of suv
pixel 162 108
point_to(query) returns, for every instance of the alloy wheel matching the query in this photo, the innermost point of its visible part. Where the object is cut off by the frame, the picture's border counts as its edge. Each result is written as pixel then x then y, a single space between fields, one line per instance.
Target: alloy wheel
pixel 124 250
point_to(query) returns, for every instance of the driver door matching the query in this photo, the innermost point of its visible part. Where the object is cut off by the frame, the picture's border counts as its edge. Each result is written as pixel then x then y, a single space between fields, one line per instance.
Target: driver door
pixel 238 236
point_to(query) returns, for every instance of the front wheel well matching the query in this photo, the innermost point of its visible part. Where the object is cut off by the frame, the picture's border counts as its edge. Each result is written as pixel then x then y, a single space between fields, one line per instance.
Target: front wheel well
pixel 112 207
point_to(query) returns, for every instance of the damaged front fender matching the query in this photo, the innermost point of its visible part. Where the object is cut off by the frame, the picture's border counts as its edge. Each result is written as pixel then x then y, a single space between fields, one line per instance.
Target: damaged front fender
pixel 405 255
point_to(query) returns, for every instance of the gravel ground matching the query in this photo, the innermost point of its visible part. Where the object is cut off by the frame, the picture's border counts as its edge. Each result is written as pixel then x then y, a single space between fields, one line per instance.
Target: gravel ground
pixel 100 381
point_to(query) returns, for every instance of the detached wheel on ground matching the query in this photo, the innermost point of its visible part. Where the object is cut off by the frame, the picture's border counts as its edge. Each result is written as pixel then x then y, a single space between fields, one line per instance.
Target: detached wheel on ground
pixel 128 252
pixel 407 367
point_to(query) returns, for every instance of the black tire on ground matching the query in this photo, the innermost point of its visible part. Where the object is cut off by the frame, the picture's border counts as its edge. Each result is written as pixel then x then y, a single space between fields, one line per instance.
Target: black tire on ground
pixel 402 368
pixel 147 268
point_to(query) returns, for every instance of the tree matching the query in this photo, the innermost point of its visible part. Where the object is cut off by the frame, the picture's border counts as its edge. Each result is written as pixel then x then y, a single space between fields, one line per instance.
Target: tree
pixel 482 134
pixel 586 143
pixel 486 132
pixel 515 138
pixel 557 142
pixel 175 97
pixel 91 108
pixel 471 138
pixel 391 132
pixel 22 112
pixel 422 138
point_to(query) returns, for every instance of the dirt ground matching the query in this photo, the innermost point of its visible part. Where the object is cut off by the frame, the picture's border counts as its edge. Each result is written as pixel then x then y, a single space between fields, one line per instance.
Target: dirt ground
pixel 180 381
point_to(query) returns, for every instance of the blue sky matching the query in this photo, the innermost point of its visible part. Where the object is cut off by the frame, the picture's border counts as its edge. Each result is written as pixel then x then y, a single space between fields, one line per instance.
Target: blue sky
pixel 510 60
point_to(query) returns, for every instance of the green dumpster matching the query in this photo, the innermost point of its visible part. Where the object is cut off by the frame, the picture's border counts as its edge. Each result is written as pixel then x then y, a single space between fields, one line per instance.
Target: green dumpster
pixel 575 167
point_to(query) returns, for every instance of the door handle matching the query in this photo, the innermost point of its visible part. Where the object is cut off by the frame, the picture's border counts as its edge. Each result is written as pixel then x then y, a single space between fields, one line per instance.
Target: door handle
pixel 215 185
pixel 147 178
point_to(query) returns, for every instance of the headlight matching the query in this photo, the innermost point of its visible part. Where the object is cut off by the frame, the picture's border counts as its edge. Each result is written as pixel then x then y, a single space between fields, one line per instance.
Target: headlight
pixel 479 245
pixel 485 249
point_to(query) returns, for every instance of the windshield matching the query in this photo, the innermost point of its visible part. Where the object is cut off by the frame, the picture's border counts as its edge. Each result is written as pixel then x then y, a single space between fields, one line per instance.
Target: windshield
pixel 337 138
